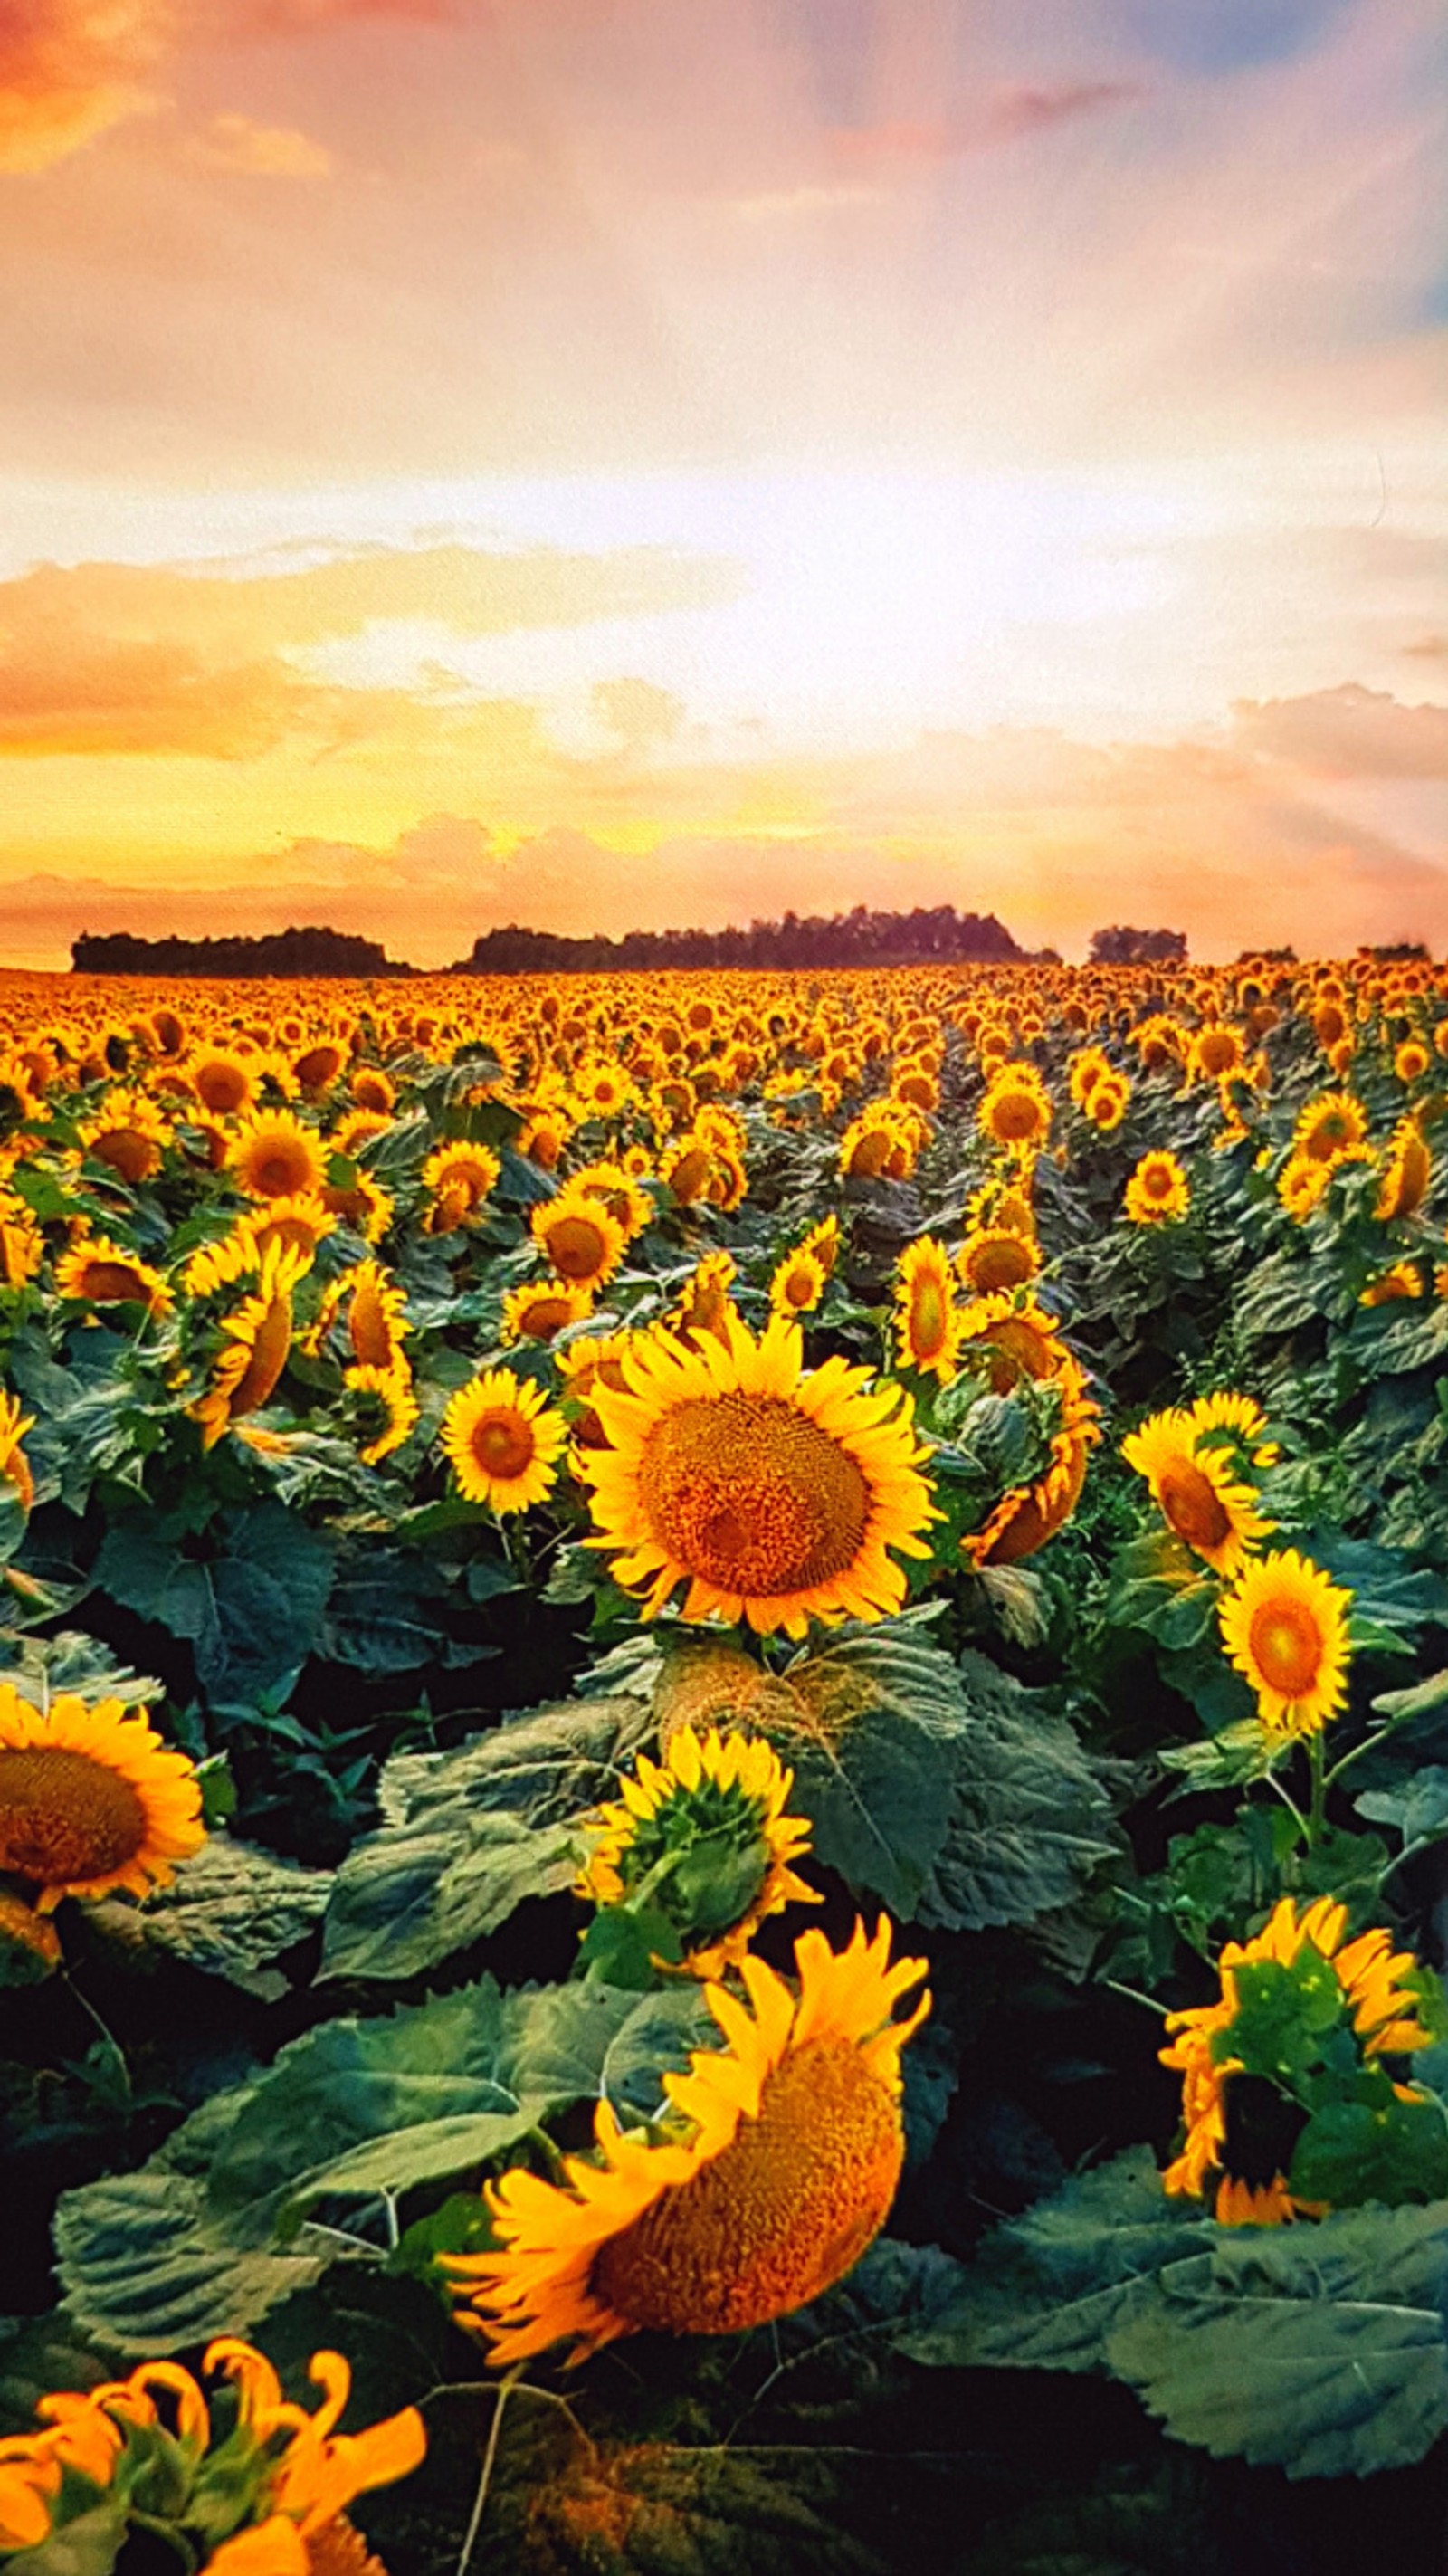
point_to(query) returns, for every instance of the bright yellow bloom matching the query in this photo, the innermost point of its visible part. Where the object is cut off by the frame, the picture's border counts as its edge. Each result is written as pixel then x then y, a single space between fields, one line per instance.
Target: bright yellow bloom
pixel 927 1320
pixel 108 1274
pixel 1194 1487
pixel 91 1799
pixel 1157 1192
pixel 1284 1626
pixel 578 1236
pixel 275 1157
pixel 503 1441
pixel 254 1353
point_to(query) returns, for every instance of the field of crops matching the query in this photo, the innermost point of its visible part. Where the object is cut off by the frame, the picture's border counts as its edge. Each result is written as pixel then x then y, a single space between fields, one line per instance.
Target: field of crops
pixel 724 1773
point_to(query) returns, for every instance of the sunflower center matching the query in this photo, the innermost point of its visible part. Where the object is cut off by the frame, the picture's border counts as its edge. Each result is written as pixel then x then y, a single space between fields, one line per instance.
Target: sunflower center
pixel 111 1283
pixel 1194 1507
pixel 774 2220
pixel 1000 1261
pixel 1156 1180
pixel 337 2548
pixel 576 1247
pixel 502 1442
pixel 279 1172
pixel 798 1288
pixel 749 1494
pixel 65 1819
pixel 1015 1116
pixel 1287 1647
pixel 223 1087
pixel 127 1151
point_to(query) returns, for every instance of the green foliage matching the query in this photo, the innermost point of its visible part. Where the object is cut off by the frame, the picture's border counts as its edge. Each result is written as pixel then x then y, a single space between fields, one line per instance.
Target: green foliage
pixel 229 1911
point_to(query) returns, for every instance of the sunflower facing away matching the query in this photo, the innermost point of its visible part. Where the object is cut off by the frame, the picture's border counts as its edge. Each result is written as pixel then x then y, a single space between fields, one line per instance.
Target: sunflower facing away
pixel 706 1828
pixel 1284 1626
pixel 1377 1993
pixel 773 1493
pixel 788 2149
pixel 91 1799
pixel 14 1465
pixel 503 1441
pixel 1193 1486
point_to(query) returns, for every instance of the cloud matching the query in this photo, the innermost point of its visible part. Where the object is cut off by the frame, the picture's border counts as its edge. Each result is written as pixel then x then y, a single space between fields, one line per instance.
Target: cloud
pixel 1002 113
pixel 1347 732
pixel 70 69
pixel 233 142
pixel 1429 648
pixel 638 712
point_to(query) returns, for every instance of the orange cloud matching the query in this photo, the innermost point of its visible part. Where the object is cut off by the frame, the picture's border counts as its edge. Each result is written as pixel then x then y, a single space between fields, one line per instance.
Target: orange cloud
pixel 69 69
pixel 232 142
pixel 1347 732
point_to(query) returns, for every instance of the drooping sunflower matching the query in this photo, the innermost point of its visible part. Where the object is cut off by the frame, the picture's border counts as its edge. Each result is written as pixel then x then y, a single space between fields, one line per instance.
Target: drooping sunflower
pixel 1013 1337
pixel 1408 1173
pixel 790 2152
pixel 1028 1516
pixel 1380 2009
pixel 1404 1279
pixel 1214 1511
pixel 377 1324
pixel 797 1283
pixel 579 1237
pixel 775 1495
pixel 275 1157
pixel 539 1310
pixel 927 1319
pixel 91 1799
pixel 1284 1626
pixel 503 1441
pixel 258 1337
pixel 109 1274
pixel 459 1177
pixel 1157 1192
pixel 705 1826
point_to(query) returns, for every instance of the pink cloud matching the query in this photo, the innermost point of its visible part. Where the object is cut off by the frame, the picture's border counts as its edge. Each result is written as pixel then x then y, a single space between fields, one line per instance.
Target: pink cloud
pixel 1347 732
pixel 1008 110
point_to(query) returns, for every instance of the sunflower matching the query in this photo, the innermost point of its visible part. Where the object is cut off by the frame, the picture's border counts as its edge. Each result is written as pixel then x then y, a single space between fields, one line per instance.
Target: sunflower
pixel 787 2150
pixel 1084 1071
pixel 1372 1999
pixel 1411 1060
pixel 361 1203
pixel 774 1495
pixel 995 1257
pixel 22 1246
pixel 1215 1051
pixel 1239 1416
pixel 275 1157
pixel 617 1186
pixel 460 1178
pixel 107 1274
pixel 1108 1103
pixel 823 1241
pixel 503 1441
pixel 1408 1175
pixel 377 1324
pixel 303 1221
pixel 258 1340
pixel 539 1310
pixel 1157 1192
pixel 1329 1126
pixel 797 1283
pixel 232 1257
pixel 224 1082
pixel 1302 1184
pixel 1284 1625
pixel 1403 1280
pixel 14 1465
pixel 582 1241
pixel 128 1132
pixel 1014 1338
pixel 317 1068
pixel 1028 1515
pixel 384 1400
pixel 705 1305
pixel 1016 1110
pixel 705 1825
pixel 91 1799
pixel 927 1319
pixel 1192 1484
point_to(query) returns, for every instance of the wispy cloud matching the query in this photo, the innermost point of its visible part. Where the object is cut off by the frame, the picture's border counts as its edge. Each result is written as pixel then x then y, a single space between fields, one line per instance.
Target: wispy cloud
pixel 234 142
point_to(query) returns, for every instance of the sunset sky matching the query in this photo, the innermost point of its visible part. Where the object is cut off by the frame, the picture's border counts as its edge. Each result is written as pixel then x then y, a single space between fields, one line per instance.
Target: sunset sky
pixel 602 463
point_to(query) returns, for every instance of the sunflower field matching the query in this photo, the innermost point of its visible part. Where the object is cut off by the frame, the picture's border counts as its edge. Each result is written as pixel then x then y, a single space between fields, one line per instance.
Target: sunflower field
pixel 724 1773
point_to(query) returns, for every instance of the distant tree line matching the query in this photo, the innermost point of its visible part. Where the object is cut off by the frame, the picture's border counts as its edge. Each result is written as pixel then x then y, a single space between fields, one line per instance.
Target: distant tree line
pixel 277 952
pixel 859 938
pixel 1124 947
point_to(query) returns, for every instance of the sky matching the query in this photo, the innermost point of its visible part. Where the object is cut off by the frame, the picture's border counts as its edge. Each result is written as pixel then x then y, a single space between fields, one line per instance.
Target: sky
pixel 620 463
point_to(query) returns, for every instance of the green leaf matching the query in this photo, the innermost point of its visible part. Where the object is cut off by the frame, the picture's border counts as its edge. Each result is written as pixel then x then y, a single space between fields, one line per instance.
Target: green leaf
pixel 1388 2150
pixel 1281 1294
pixel 471 1833
pixel 1317 2349
pixel 1419 1810
pixel 228 1911
pixel 42 1667
pixel 1030 1815
pixel 623 1942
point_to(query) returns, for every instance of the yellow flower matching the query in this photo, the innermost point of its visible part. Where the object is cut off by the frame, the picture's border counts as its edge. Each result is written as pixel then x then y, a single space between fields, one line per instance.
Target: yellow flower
pixel 1408 1175
pixel 91 1799
pixel 1026 1517
pixel 927 1320
pixel 996 1257
pixel 254 1353
pixel 1016 1110
pixel 128 1132
pixel 503 1441
pixel 1195 1489
pixel 459 1178
pixel 1013 1337
pixel 275 1157
pixel 1157 1192
pixel 1329 1127
pixel 711 1793
pixel 1215 1050
pixel 579 1237
pixel 224 1082
pixel 798 1282
pixel 385 1399
pixel 774 1495
pixel 1303 1183
pixel 1284 1625
pixel 1240 1415
pixel 705 1305
pixel 536 1312
pixel 377 1324
pixel 1403 1280
pixel 791 2151
pixel 108 1274
pixel 14 1465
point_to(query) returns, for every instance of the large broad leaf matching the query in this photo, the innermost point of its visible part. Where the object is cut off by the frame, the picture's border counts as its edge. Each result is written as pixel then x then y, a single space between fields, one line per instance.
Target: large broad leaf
pixel 41 1668
pixel 228 1911
pixel 1047 2289
pixel 250 1606
pixel 1283 1292
pixel 1321 2350
pixel 213 2231
pixel 1030 1816
pixel 471 1833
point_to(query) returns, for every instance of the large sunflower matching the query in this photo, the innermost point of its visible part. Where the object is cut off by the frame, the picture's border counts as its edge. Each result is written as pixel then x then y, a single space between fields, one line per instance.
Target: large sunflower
pixel 927 1319
pixel 792 2150
pixel 1284 1625
pixel 1382 2011
pixel 503 1441
pixel 774 1494
pixel 275 1157
pixel 91 1799
pixel 1195 1489
pixel 995 1257
pixel 1016 1109
pixel 705 1826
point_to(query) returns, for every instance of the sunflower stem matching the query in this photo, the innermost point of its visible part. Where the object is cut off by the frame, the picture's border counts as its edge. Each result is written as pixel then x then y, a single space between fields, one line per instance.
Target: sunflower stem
pixel 1136 1996
pixel 113 2045
pixel 1317 1812
pixel 485 2474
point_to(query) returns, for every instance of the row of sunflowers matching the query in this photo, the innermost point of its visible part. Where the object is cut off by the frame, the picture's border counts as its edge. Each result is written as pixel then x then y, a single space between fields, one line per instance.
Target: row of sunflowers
pixel 513 1490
